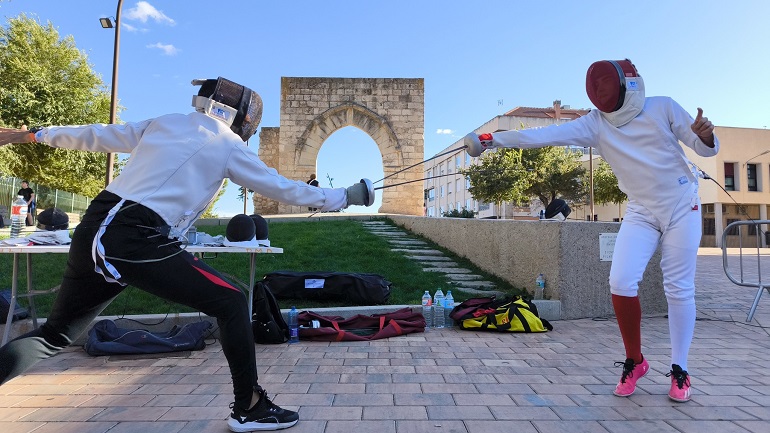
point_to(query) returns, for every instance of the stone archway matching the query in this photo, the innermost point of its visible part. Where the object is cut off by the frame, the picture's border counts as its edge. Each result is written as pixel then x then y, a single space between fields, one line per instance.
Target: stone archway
pixel 389 110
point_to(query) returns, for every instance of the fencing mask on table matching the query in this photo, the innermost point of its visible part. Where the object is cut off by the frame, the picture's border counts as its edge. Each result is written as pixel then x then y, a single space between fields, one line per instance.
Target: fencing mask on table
pixel 237 106
pixel 616 89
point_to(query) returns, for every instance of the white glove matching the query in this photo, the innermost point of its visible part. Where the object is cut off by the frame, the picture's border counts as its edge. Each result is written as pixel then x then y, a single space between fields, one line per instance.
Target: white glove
pixel 361 194
pixel 475 145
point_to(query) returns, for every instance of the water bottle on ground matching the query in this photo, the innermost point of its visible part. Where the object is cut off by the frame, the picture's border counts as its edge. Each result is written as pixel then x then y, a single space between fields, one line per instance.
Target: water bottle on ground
pixel 438 309
pixel 449 304
pixel 427 301
pixel 539 286
pixel 18 216
pixel 293 326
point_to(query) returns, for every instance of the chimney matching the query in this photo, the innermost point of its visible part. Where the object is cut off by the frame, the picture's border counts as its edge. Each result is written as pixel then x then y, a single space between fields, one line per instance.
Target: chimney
pixel 557 109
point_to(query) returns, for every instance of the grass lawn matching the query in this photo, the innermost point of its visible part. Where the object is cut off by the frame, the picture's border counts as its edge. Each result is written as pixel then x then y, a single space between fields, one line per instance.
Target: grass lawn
pixel 339 246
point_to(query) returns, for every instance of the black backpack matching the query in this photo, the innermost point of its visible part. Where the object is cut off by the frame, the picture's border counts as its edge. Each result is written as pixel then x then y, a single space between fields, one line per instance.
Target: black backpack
pixel 266 320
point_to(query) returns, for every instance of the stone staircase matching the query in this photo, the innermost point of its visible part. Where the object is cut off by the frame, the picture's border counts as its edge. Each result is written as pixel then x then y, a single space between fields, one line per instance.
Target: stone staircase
pixel 461 279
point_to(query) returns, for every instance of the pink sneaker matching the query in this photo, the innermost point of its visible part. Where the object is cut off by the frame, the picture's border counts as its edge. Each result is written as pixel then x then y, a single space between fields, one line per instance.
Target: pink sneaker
pixel 631 373
pixel 680 384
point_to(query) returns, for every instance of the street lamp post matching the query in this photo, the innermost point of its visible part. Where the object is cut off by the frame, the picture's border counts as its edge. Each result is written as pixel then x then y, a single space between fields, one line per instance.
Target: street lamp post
pixel 107 24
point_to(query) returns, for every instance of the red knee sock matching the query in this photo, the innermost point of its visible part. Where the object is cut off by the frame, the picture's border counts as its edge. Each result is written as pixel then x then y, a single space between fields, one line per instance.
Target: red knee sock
pixel 629 314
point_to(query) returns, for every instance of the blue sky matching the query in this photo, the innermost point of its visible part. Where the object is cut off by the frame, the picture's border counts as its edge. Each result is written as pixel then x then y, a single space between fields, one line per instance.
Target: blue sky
pixel 472 55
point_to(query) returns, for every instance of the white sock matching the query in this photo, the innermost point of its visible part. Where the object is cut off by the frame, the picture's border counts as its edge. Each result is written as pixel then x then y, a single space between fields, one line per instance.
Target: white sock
pixel 681 326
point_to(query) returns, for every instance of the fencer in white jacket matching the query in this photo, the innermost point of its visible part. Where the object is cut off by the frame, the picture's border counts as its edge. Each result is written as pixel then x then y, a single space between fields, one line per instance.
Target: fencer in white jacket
pixel 133 231
pixel 640 138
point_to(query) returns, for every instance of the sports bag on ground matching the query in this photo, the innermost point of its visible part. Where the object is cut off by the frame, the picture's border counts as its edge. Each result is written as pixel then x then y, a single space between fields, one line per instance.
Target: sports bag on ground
pixel 19 312
pixel 504 315
pixel 266 320
pixel 358 289
pixel 105 338
pixel 360 327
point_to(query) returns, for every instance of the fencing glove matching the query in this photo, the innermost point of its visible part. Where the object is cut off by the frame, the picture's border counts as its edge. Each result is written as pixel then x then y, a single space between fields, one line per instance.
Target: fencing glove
pixel 361 194
pixel 475 144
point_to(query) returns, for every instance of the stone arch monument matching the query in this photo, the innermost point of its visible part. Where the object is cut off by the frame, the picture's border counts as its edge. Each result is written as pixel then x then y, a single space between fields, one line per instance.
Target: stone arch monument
pixel 390 110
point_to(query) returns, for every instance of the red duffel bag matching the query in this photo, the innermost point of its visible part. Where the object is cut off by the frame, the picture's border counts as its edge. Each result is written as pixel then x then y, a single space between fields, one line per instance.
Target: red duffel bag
pixel 360 327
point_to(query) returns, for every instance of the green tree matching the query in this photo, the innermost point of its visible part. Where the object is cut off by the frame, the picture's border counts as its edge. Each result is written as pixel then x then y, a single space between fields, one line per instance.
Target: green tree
pixel 606 189
pixel 499 177
pixel 556 173
pixel 211 211
pixel 464 213
pixel 46 80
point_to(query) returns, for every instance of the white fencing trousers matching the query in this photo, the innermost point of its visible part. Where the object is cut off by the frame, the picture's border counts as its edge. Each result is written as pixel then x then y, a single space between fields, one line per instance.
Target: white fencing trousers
pixel 639 237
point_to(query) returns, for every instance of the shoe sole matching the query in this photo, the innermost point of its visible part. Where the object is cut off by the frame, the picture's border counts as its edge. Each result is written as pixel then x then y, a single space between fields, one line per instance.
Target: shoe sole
pixel 237 427
pixel 679 400
pixel 630 393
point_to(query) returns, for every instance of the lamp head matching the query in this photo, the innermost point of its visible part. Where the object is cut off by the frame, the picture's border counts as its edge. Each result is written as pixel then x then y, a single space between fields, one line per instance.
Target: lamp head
pixel 106 23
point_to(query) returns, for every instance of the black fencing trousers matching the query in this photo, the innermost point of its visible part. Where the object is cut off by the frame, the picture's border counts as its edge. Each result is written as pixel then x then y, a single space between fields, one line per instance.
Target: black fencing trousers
pixel 151 262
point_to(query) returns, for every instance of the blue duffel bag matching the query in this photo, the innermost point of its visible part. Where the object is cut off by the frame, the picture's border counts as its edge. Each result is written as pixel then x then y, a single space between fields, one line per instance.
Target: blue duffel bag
pixel 105 338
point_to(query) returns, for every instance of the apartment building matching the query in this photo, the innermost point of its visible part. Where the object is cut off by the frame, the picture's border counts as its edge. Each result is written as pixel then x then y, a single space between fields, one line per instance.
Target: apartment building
pixel 446 189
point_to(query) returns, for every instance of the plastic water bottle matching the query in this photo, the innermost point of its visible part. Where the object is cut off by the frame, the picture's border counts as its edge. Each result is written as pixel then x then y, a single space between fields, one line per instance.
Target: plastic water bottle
pixel 539 286
pixel 18 216
pixel 427 301
pixel 293 326
pixel 449 304
pixel 542 214
pixel 192 235
pixel 438 309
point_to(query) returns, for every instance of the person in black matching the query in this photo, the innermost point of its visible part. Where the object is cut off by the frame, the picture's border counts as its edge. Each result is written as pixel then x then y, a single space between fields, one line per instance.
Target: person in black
pixel 312 182
pixel 29 197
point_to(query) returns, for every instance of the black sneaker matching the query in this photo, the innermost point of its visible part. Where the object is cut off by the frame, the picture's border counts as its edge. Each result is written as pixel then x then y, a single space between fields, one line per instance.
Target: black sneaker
pixel 264 416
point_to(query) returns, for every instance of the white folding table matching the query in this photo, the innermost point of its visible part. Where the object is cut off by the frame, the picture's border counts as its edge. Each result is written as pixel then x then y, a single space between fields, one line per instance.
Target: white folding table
pixel 28 251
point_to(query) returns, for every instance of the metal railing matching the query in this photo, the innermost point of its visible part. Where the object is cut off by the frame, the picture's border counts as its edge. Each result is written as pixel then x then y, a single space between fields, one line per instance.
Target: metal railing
pixel 45 197
pixel 743 279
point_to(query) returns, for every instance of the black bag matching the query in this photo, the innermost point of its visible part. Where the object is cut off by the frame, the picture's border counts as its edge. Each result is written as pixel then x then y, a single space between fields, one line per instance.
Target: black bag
pixel 19 312
pixel 266 320
pixel 358 289
pixel 105 338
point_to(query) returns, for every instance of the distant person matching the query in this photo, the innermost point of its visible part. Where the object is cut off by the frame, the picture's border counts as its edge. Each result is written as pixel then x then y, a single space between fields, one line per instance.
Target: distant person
pixel 133 232
pixel 640 138
pixel 29 197
pixel 312 182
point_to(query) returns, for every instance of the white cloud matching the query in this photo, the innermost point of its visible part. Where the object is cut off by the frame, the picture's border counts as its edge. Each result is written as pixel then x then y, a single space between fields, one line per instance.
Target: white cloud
pixel 444 131
pixel 167 49
pixel 144 11
pixel 130 28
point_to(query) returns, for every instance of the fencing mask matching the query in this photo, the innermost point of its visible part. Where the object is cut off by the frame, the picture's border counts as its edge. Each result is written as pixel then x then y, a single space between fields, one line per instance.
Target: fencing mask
pixel 237 106
pixel 616 89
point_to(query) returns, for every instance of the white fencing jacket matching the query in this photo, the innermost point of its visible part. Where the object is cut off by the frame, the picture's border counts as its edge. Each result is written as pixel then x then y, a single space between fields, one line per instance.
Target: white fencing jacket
pixel 178 164
pixel 644 154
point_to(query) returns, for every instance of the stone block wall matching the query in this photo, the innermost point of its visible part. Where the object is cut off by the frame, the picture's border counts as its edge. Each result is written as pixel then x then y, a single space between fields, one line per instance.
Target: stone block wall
pixel 567 253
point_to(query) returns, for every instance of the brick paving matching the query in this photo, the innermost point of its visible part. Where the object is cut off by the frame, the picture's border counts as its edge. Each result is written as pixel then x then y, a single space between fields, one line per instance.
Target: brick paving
pixel 440 381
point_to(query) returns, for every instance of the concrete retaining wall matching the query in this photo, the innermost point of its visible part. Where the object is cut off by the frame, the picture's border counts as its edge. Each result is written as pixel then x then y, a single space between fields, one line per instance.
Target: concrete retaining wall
pixel 567 253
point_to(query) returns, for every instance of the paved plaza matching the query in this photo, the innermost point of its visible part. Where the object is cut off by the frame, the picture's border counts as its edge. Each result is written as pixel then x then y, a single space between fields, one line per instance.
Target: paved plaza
pixel 440 381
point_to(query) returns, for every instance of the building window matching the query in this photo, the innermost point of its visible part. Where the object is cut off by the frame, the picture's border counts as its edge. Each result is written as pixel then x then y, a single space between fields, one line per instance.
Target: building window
pixel 751 174
pixel 468 204
pixel 467 159
pixel 733 231
pixel 458 161
pixel 467 183
pixel 441 191
pixel 449 187
pixel 458 185
pixel 441 211
pixel 730 176
pixel 709 226
pixel 431 194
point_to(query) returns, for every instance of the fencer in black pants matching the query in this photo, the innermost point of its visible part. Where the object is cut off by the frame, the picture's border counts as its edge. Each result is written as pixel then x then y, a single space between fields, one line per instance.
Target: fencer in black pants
pixel 151 262
pixel 131 233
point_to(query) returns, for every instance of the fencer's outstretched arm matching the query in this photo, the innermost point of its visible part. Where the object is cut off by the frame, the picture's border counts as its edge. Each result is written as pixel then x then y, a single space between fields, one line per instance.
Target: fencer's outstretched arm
pixel 580 132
